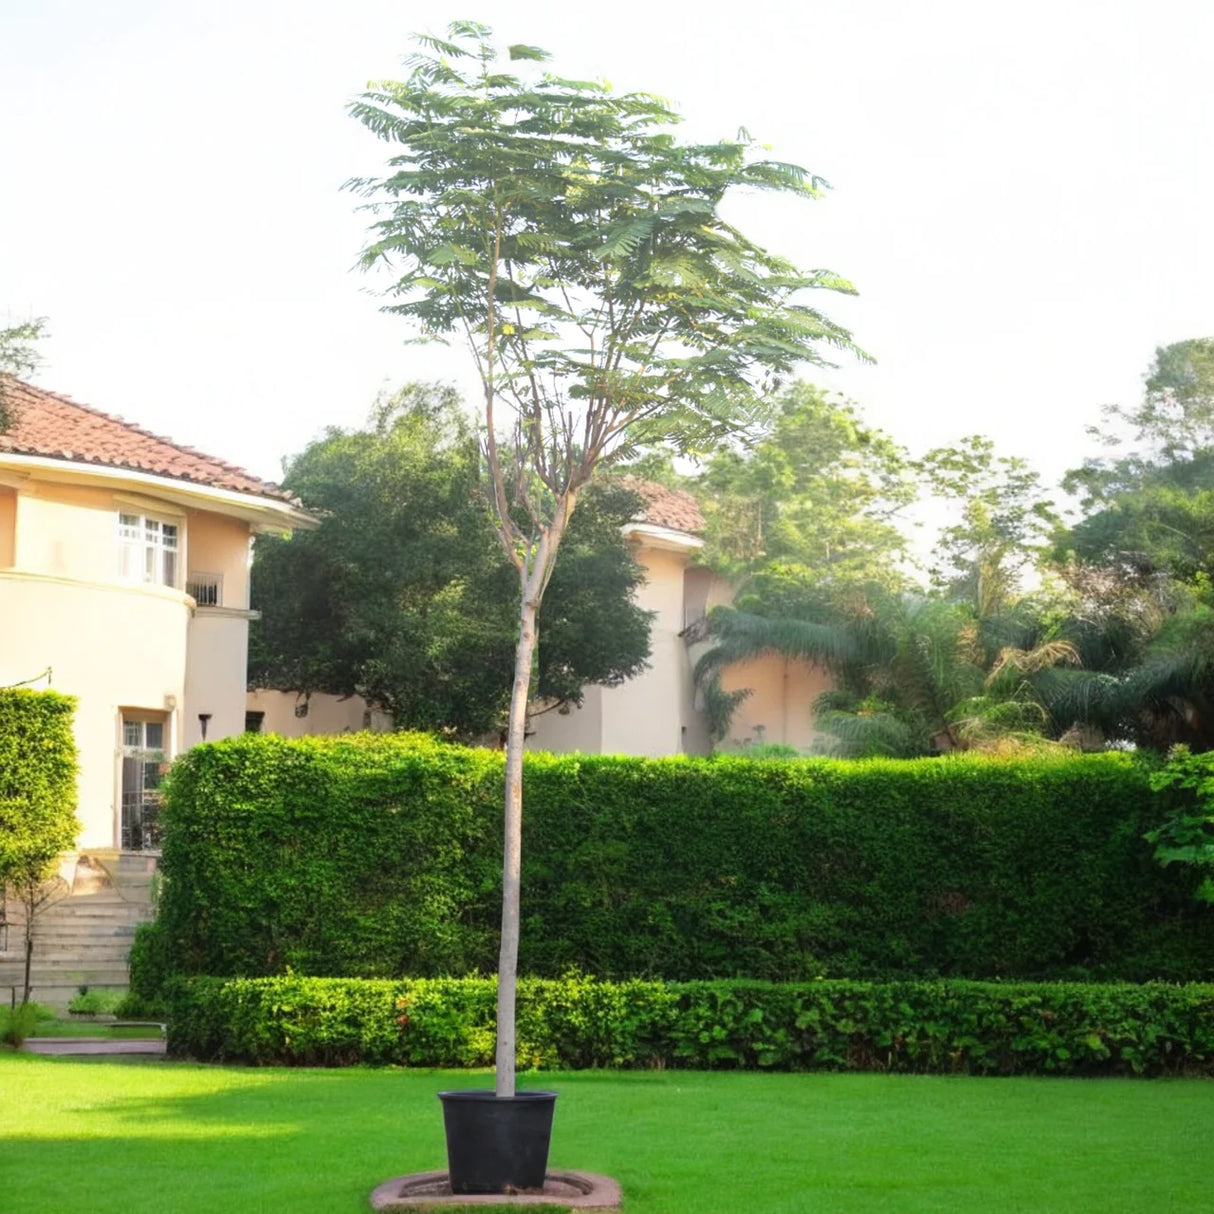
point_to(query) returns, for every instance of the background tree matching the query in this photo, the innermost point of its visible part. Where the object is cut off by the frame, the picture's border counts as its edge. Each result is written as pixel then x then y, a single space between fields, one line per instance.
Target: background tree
pixel 816 496
pixel 403 595
pixel 1141 558
pixel 18 356
pixel 1001 527
pixel 579 249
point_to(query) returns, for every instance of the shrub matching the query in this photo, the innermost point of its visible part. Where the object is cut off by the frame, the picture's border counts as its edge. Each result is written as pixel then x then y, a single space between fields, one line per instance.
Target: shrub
pixel 577 1022
pixel 17 1023
pixel 375 857
pixel 37 782
pixel 1186 836
pixel 95 1003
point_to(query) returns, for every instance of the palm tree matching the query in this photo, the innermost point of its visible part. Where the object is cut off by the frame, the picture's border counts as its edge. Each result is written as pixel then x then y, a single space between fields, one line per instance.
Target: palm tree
pixel 922 674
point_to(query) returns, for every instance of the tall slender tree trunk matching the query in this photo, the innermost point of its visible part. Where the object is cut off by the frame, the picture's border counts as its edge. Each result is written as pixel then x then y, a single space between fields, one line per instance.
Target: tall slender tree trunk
pixel 512 851
pixel 29 947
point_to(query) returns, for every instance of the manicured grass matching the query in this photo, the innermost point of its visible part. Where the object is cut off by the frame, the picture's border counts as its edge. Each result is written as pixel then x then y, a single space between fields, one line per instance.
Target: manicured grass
pixel 137 1137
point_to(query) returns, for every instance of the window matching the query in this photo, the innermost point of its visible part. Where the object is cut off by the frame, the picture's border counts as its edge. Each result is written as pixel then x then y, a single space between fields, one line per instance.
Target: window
pixel 253 721
pixel 143 766
pixel 148 549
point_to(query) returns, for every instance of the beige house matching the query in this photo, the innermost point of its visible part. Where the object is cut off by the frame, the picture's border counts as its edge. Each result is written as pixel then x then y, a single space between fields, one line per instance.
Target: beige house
pixel 124 581
pixel 297 714
pixel 657 712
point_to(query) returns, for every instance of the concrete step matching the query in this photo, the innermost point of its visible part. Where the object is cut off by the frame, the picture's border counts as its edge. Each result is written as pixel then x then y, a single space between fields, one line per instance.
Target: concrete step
pixel 91 914
pixel 84 924
pixel 78 967
pixel 83 944
pixel 51 932
pixel 82 952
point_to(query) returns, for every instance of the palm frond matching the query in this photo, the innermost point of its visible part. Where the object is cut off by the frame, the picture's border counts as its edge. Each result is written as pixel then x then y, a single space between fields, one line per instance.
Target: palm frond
pixel 739 635
pixel 871 735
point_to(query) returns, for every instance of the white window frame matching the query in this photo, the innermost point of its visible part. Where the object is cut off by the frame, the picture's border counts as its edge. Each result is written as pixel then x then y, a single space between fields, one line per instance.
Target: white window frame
pixel 139 801
pixel 143 554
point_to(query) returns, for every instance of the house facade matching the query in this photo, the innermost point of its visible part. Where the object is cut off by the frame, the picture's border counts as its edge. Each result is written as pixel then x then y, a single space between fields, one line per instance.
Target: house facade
pixel 299 714
pixel 124 581
pixel 659 712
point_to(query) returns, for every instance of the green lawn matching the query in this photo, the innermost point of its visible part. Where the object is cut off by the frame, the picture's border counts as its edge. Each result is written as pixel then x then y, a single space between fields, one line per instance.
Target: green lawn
pixel 173 1138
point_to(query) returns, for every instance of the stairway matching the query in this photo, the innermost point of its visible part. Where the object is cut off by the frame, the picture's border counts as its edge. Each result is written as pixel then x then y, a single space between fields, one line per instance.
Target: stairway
pixel 82 938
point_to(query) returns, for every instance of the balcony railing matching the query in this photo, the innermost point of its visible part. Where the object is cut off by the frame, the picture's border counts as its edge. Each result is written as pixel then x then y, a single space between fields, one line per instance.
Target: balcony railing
pixel 206 589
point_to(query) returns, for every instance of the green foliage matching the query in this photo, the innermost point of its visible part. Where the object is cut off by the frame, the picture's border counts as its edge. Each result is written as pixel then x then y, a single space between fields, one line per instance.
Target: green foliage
pixel 378 857
pixel 1005 522
pixel 404 595
pixel 1186 837
pixel 355 856
pixel 572 1023
pixel 17 1023
pixel 19 357
pixel 1168 437
pixel 914 674
pixel 813 500
pixel 95 1003
pixel 579 247
pixel 37 783
pixel 1140 560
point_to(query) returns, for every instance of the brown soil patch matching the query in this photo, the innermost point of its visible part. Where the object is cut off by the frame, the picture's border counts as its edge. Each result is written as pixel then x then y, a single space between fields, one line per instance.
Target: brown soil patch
pixel 563 1190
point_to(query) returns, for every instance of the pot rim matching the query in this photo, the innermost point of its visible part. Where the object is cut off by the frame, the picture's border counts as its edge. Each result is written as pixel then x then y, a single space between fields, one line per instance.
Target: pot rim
pixel 487 1094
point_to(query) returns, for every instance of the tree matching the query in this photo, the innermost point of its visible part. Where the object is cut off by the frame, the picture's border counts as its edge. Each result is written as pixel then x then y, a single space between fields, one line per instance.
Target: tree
pixel 1141 559
pixel 579 250
pixel 402 594
pixel 918 674
pixel 1167 437
pixel 815 497
pixel 18 356
pixel 1004 526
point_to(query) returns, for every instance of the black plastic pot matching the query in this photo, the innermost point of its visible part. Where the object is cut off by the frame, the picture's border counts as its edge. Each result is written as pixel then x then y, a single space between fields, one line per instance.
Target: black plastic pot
pixel 497 1144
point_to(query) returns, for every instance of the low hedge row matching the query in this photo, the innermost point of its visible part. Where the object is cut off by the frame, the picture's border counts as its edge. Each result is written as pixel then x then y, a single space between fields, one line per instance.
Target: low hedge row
pixel 578 1022
pixel 381 856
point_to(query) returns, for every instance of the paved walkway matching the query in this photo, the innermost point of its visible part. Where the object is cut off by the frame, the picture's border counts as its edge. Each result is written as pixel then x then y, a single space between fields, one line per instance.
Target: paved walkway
pixel 94 1045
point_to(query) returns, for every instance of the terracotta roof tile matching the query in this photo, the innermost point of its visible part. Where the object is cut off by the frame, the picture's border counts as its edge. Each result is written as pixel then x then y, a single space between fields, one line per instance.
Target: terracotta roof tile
pixel 56 427
pixel 664 507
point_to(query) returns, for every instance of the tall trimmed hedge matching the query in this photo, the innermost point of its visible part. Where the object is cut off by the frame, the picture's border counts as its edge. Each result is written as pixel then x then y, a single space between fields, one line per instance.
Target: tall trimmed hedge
pixel 370 856
pixel 37 782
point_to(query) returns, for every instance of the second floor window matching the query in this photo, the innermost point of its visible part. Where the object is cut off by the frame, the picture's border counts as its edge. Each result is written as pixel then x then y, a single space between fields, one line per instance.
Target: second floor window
pixel 148 549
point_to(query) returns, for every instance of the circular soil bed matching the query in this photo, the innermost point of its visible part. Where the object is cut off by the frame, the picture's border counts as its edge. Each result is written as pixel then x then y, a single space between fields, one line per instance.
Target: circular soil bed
pixel 564 1190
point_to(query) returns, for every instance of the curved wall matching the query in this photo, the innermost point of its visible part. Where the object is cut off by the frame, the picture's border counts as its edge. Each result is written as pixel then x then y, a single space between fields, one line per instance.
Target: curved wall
pixel 114 647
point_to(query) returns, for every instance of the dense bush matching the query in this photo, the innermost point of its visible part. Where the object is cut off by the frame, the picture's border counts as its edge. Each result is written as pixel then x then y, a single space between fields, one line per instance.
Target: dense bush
pixel 944 1027
pixel 379 857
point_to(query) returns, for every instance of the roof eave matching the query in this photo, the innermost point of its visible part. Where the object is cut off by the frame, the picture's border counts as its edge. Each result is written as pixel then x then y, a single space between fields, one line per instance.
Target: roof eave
pixel 654 536
pixel 265 513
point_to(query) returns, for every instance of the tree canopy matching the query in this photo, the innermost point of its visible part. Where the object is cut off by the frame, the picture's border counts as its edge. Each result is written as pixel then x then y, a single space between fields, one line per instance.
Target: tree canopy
pixel 816 495
pixel 1140 560
pixel 403 594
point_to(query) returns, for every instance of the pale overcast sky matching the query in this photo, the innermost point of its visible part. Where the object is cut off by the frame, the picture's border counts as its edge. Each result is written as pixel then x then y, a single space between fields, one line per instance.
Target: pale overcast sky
pixel 1022 193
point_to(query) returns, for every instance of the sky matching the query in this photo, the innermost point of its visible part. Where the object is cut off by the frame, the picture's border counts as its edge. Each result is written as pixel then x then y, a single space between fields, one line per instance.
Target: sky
pixel 1022 194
